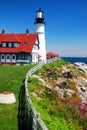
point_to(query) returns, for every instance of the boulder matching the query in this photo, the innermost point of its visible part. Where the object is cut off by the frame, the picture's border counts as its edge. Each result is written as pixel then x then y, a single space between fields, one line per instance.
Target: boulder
pixel 62 83
pixel 67 74
pixel 83 89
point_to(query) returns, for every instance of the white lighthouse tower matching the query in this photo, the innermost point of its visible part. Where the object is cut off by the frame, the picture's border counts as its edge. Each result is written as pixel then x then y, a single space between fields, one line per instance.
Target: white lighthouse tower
pixel 40 30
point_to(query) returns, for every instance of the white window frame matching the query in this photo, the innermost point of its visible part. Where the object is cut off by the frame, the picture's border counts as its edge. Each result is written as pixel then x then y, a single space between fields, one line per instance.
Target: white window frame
pixel 8 59
pixel 13 60
pixel 2 59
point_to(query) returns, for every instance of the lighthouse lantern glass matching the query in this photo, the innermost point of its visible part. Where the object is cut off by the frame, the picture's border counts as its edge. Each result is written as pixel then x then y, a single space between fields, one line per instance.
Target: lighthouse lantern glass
pixel 39 15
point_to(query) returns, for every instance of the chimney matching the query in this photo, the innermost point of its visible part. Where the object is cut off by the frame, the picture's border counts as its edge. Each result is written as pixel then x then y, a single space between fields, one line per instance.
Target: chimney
pixel 27 31
pixel 3 31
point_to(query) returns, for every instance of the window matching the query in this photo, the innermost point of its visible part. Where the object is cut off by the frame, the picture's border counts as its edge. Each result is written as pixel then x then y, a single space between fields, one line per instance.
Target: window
pixel 9 44
pixel 13 57
pixel 3 44
pixel 15 44
pixel 22 56
pixel 36 56
pixel 33 56
pixel 3 56
pixel 8 57
pixel 26 57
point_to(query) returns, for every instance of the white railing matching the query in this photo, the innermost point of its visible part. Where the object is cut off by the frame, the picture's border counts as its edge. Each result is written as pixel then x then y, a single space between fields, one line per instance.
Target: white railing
pixel 37 122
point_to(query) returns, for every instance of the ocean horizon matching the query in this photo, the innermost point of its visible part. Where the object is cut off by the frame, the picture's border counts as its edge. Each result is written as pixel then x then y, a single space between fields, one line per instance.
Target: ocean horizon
pixel 72 60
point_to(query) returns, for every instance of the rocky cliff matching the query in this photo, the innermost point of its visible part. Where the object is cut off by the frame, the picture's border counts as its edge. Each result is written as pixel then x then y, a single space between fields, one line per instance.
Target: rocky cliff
pixel 66 80
pixel 58 91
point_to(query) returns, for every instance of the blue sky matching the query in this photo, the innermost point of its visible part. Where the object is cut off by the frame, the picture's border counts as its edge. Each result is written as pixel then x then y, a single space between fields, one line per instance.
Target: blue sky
pixel 66 22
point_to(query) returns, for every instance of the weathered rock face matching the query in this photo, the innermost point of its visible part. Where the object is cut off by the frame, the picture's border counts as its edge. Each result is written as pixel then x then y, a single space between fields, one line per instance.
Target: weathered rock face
pixel 67 74
pixel 66 80
pixel 50 71
pixel 81 85
pixel 62 84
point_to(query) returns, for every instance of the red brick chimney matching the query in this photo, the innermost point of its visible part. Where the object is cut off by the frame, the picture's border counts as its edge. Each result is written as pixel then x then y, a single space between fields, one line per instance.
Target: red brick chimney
pixel 27 31
pixel 3 31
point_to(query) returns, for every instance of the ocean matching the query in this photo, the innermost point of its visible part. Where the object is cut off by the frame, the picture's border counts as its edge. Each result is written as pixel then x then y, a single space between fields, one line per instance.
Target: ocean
pixel 72 60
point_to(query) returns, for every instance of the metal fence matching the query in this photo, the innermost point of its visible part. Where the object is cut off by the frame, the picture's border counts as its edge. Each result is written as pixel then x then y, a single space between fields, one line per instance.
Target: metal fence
pixel 38 124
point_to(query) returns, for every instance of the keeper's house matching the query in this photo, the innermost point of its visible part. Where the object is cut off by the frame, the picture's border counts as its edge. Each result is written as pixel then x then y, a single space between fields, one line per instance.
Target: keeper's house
pixel 19 48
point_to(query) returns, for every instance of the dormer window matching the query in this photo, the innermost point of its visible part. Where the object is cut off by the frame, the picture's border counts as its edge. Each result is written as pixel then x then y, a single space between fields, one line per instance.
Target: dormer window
pixel 9 44
pixel 15 44
pixel 3 44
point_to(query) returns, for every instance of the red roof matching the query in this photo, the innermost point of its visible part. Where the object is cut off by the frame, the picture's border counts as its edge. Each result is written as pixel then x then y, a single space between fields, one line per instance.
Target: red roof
pixel 26 42
pixel 51 55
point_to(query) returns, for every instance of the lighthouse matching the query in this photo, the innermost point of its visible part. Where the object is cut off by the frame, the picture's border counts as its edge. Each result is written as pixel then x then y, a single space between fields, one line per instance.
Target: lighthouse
pixel 40 30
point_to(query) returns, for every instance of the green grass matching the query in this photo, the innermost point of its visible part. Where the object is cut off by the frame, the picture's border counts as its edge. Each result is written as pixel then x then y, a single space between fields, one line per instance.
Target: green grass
pixel 43 106
pixel 11 78
pixel 58 63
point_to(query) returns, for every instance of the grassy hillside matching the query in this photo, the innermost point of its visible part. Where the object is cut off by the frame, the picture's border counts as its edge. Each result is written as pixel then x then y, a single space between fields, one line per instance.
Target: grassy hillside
pixel 11 78
pixel 58 113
